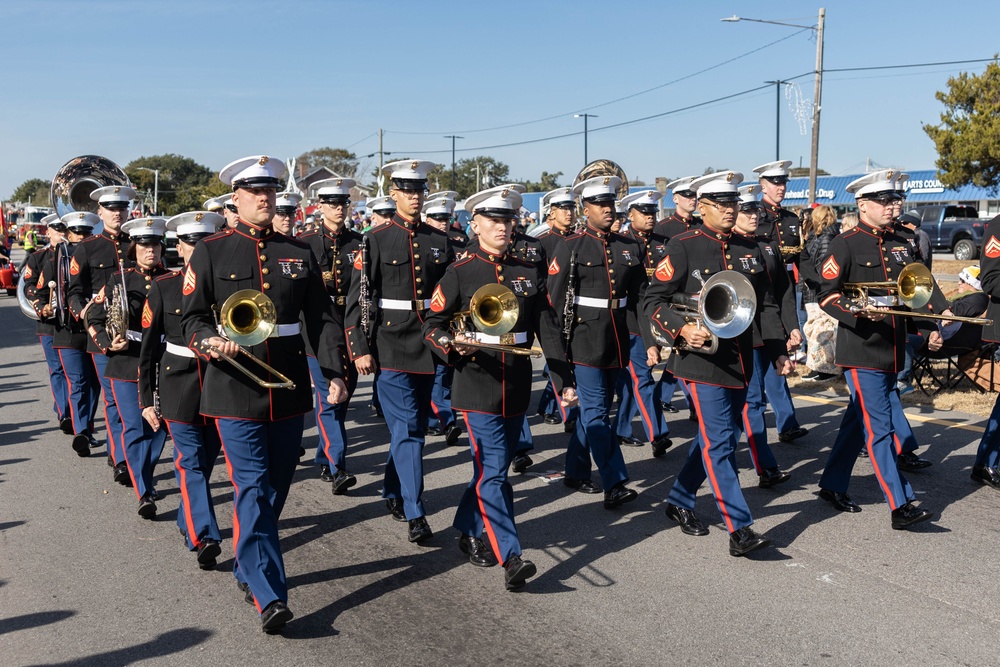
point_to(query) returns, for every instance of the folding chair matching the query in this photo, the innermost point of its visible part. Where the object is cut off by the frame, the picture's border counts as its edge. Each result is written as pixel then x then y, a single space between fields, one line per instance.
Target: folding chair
pixel 931 377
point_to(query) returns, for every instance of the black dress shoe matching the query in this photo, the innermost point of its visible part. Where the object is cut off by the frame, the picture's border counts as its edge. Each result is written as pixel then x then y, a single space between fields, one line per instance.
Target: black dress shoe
pixel 909 462
pixel 479 554
pixel 618 496
pixel 521 462
pixel 772 477
pixel 692 416
pixel 66 426
pixel 840 501
pixel 121 475
pixel 689 522
pixel 376 410
pixel 569 426
pixel 581 485
pixel 661 446
pixel 342 481
pixel 275 617
pixel 516 572
pixel 433 431
pixel 154 494
pixel 247 595
pixel 792 434
pixel 81 445
pixel 395 507
pixel 208 551
pixel 744 540
pixel 669 409
pixel 111 463
pixel 451 434
pixel 419 530
pixel 552 419
pixel 147 508
pixel 630 441
pixel 325 474
pixel 907 515
pixel 986 475
pixel 94 442
pixel 863 453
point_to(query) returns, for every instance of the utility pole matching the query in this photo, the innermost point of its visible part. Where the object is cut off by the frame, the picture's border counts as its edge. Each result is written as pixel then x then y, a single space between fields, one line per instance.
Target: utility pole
pixel 380 156
pixel 777 117
pixel 156 186
pixel 585 117
pixel 817 105
pixel 453 137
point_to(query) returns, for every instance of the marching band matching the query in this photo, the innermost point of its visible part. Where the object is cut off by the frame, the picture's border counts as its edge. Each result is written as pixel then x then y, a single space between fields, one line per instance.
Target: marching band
pixel 258 328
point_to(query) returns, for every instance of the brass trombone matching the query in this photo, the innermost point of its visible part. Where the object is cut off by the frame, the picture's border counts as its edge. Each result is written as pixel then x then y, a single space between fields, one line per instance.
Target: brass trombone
pixel 248 318
pixel 493 311
pixel 913 288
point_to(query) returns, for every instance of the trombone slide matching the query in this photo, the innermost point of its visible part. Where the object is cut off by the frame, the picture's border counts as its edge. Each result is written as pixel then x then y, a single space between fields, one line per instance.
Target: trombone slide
pixel 285 382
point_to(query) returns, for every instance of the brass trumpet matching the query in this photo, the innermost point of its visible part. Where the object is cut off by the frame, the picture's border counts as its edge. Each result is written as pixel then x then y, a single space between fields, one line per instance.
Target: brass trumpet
pixel 493 311
pixel 913 288
pixel 248 318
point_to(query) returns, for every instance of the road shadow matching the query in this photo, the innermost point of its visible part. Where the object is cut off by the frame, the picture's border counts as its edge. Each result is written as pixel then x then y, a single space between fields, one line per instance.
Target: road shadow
pixel 35 620
pixel 168 643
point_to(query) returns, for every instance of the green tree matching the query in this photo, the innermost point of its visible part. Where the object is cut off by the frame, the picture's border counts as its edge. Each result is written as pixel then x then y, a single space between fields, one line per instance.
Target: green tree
pixel 183 183
pixel 342 162
pixel 34 191
pixel 968 137
pixel 545 183
pixel 489 170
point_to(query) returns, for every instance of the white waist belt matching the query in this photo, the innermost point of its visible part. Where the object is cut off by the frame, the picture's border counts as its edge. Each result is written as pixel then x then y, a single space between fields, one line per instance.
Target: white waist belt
pixel 180 351
pixel 601 303
pixel 399 304
pixel 882 301
pixel 790 266
pixel 514 338
pixel 280 330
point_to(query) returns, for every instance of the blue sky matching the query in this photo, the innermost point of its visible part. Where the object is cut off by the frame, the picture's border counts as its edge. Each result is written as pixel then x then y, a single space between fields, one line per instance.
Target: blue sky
pixel 217 80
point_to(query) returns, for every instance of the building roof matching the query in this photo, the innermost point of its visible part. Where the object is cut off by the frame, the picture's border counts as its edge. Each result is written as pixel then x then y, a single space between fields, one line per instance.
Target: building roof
pixel 923 187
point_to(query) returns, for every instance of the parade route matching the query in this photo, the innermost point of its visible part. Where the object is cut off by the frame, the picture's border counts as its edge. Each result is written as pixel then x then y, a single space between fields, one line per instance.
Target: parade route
pixel 85 581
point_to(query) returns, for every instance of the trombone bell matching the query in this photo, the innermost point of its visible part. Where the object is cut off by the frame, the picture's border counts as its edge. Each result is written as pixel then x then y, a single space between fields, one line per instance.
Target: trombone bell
pixel 248 317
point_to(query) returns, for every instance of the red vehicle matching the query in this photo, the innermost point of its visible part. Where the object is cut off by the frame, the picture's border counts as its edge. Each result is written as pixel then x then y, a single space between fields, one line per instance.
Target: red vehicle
pixel 8 276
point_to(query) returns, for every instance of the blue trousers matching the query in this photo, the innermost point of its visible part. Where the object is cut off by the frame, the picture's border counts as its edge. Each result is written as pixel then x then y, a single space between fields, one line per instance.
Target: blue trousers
pixel 406 400
pixel 143 445
pixel 330 419
pixel 988 453
pixel 777 394
pixel 592 435
pixel 441 411
pixel 753 415
pixel 112 420
pixel 196 449
pixel 547 402
pixel 639 396
pixel 711 454
pixel 903 438
pixel 870 398
pixel 666 387
pixel 57 379
pixel 82 387
pixel 261 458
pixel 487 506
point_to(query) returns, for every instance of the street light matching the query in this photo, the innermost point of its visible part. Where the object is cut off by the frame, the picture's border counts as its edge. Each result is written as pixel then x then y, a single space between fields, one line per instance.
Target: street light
pixel 156 186
pixel 817 94
pixel 453 137
pixel 585 117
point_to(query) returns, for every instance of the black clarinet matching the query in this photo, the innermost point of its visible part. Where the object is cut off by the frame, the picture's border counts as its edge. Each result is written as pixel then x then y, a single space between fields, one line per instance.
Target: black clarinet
pixel 569 306
pixel 366 294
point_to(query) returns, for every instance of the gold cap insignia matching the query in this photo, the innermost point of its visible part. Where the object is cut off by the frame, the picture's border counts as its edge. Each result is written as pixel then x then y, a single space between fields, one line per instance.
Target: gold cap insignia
pixel 414 164
pixel 505 193
pixel 198 217
pixel 117 190
pixel 729 177
pixel 263 160
pixel 82 216
pixel 340 181
pixel 607 179
pixel 149 222
pixel 889 174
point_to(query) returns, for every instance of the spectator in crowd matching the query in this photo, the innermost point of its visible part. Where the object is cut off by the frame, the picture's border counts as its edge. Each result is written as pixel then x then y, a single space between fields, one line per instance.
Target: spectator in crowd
pixel 820 329
pixel 849 222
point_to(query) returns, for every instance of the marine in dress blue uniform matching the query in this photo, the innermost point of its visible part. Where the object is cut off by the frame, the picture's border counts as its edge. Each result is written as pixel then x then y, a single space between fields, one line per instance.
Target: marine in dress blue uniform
pixel 141 443
pixel 260 428
pixel 93 262
pixel 406 259
pixel 870 347
pixel 986 469
pixel 782 226
pixel 170 376
pixel 639 388
pixel 610 281
pixel 336 248
pixel 717 382
pixel 490 383
pixel 286 208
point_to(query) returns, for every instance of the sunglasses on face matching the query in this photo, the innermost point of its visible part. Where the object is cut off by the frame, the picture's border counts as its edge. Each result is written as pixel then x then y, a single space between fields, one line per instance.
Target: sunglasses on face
pixel 887 200
pixel 719 205
pixel 231 208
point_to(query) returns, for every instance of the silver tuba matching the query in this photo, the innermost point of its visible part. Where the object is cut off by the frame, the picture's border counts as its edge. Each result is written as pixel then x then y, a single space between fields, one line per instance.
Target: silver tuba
pixel 725 306
pixel 23 302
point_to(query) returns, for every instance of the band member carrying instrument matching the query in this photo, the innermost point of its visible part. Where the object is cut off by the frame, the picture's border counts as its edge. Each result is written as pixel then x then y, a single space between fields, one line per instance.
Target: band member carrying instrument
pixel 114 323
pixel 717 380
pixel 336 248
pixel 638 391
pixel 685 203
pixel 45 328
pixel 611 281
pixel 870 346
pixel 986 469
pixel 170 393
pixel 406 259
pixel 259 283
pixel 506 301
pixel 94 260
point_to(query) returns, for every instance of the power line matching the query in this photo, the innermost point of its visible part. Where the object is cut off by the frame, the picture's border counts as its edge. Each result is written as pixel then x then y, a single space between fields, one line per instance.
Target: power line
pixel 946 62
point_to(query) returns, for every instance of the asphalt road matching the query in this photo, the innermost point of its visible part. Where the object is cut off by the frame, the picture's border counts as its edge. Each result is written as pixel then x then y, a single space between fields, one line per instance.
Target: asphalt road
pixel 85 581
